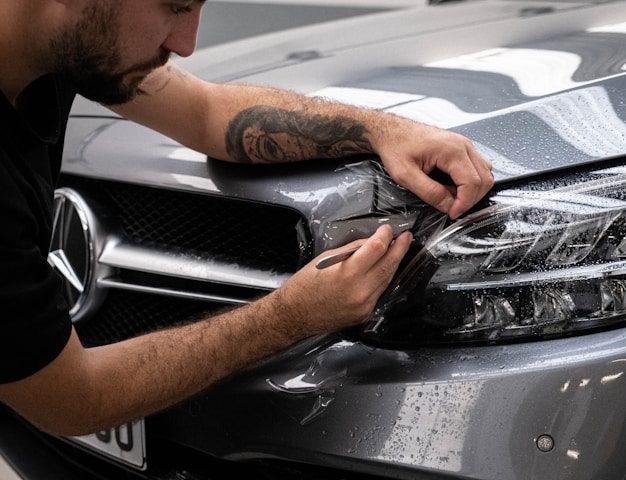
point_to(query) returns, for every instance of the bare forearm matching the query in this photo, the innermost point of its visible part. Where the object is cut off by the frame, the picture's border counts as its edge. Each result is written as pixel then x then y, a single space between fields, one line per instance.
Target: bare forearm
pixel 79 392
pixel 165 367
pixel 159 369
pixel 288 127
pixel 264 125
pixel 249 124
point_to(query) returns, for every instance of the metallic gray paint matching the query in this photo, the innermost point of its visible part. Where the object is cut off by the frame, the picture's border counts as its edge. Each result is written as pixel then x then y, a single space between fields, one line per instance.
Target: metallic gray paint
pixel 456 412
pixel 470 412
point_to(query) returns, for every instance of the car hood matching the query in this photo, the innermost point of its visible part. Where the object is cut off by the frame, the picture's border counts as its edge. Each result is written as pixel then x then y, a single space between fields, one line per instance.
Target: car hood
pixel 534 86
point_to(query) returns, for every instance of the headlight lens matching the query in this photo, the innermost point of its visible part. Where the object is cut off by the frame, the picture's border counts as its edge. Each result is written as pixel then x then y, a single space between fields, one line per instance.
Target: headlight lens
pixel 538 262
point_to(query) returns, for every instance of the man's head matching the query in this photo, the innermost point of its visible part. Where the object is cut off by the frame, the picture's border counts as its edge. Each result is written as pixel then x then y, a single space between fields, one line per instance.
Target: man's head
pixel 115 44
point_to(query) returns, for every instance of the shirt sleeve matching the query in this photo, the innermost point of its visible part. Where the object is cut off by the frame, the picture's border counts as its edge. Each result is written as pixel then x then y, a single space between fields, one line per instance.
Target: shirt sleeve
pixel 34 321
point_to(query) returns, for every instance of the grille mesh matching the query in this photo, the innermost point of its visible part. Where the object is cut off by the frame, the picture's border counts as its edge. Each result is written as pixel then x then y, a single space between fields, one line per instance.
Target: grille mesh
pixel 127 314
pixel 255 235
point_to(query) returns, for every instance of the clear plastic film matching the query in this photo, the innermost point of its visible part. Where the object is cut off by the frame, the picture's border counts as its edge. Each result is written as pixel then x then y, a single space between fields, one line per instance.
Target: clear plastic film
pixel 540 261
pixel 365 199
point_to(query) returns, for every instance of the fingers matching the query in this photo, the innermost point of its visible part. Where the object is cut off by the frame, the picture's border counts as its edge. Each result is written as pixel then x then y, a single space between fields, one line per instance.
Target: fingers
pixel 374 247
pixel 472 176
pixel 454 155
pixel 372 267
pixel 469 171
pixel 440 196
pixel 370 251
pixel 375 260
pixel 344 294
pixel 473 179
pixel 375 263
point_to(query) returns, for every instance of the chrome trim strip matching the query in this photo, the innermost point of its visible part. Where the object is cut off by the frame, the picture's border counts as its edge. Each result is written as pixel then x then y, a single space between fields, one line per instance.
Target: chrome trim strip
pixel 120 254
pixel 120 285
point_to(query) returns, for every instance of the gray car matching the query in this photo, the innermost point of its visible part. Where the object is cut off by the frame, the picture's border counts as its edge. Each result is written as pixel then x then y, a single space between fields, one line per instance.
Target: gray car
pixel 499 350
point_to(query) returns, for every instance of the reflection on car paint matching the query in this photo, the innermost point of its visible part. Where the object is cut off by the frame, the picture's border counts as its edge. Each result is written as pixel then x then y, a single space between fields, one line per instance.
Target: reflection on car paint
pixel 397 400
pixel 318 383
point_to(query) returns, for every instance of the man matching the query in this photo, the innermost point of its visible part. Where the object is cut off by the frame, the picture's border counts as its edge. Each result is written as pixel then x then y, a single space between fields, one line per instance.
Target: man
pixel 116 52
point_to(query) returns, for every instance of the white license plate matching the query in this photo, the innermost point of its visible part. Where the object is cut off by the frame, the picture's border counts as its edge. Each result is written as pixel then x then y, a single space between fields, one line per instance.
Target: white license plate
pixel 124 444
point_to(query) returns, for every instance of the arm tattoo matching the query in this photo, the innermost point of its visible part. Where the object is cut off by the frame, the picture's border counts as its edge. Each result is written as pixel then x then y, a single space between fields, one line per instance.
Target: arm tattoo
pixel 160 80
pixel 272 135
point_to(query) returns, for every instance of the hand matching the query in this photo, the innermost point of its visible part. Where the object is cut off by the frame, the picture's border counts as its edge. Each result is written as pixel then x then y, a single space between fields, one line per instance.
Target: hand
pixel 322 301
pixel 410 151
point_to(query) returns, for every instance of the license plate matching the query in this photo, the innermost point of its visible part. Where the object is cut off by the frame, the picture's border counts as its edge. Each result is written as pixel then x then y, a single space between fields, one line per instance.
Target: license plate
pixel 124 444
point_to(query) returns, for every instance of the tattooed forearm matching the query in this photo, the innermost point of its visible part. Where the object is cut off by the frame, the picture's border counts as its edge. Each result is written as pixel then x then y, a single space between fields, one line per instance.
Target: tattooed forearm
pixel 265 134
pixel 160 79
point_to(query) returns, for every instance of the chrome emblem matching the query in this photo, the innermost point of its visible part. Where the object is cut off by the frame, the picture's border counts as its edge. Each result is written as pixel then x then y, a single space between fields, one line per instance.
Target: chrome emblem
pixel 72 249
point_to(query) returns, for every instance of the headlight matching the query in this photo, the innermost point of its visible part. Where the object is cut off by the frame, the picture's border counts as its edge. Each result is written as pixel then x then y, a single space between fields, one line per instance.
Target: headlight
pixel 544 260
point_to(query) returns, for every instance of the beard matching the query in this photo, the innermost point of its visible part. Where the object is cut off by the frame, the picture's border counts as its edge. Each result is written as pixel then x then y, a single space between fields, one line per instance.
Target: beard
pixel 88 54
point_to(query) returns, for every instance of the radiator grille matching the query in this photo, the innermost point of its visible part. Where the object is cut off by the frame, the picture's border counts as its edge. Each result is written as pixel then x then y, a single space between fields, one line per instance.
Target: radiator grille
pixel 262 236
pixel 127 314
pixel 258 236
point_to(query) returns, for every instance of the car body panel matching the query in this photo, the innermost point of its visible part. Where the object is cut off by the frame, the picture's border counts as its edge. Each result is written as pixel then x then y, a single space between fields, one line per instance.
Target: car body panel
pixel 498 91
pixel 538 87
pixel 469 412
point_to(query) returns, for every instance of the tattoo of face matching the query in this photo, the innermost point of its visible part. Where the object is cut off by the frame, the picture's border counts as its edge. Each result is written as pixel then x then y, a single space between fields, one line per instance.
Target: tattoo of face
pixel 265 134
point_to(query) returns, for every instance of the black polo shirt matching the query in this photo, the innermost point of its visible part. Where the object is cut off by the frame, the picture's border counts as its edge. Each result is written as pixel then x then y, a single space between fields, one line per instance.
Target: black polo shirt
pixel 34 321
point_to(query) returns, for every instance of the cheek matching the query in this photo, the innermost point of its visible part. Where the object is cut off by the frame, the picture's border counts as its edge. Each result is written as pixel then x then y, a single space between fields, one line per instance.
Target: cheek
pixel 142 38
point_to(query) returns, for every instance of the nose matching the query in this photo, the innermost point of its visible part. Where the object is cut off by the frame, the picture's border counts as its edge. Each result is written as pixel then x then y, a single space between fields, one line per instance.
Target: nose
pixel 182 39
